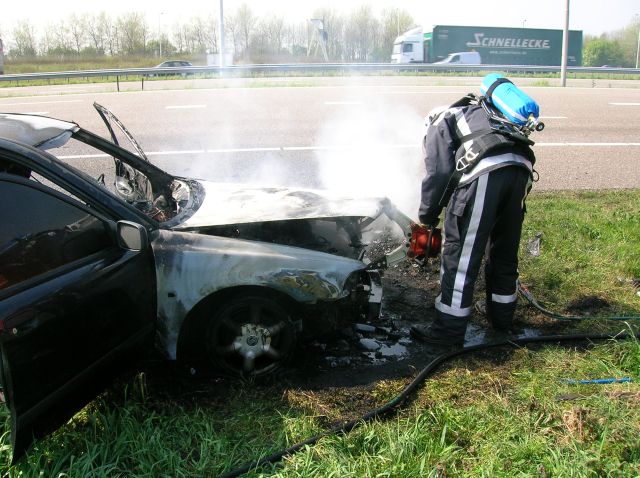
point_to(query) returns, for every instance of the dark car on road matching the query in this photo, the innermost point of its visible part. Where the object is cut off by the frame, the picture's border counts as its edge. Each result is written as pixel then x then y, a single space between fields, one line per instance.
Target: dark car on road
pixel 172 64
pixel 98 269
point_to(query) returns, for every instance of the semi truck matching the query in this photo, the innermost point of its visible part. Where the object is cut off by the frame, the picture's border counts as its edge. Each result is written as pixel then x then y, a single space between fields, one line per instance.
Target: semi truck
pixel 492 45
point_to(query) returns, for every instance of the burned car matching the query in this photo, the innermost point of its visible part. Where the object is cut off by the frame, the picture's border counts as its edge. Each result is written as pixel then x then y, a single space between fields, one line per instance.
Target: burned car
pixel 96 270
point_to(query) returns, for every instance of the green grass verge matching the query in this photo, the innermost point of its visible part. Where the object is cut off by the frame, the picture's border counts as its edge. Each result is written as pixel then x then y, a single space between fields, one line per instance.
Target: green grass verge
pixel 503 413
pixel 590 246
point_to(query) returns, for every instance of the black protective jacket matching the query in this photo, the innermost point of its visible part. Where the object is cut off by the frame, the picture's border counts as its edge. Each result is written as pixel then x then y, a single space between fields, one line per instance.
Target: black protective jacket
pixel 442 146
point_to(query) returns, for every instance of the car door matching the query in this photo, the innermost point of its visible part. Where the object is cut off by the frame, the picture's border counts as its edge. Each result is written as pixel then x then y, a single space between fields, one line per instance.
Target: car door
pixel 76 307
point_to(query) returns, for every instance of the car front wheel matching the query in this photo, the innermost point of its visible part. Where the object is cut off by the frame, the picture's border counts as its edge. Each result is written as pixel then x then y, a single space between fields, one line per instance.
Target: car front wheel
pixel 251 336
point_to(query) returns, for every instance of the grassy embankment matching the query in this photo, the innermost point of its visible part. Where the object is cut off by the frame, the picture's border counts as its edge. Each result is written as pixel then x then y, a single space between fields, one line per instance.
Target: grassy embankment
pixel 506 413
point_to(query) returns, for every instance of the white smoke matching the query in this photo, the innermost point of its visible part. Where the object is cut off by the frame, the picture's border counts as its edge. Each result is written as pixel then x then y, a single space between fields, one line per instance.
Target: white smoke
pixel 373 149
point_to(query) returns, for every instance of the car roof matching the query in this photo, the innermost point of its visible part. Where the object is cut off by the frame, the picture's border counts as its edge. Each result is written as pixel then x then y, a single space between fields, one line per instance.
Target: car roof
pixel 38 131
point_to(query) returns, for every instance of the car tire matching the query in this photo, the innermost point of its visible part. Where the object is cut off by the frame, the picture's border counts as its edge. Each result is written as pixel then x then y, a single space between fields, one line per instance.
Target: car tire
pixel 251 336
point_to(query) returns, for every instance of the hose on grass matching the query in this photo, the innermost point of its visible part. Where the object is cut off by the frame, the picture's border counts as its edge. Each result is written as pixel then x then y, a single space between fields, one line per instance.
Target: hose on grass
pixel 528 296
pixel 392 405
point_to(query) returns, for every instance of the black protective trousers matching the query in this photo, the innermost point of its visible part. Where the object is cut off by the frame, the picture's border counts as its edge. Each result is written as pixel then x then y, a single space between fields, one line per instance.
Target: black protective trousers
pixel 484 216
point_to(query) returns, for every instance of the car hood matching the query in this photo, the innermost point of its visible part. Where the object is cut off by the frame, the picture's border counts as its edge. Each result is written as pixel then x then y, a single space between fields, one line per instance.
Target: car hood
pixel 226 203
pixel 38 131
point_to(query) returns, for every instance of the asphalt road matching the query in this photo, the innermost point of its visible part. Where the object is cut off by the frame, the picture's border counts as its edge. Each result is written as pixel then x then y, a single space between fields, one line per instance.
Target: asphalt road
pixel 361 135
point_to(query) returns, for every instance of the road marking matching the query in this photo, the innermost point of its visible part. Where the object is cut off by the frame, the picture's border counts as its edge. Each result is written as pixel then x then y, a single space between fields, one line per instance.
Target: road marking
pixel 166 153
pixel 343 102
pixel 42 102
pixel 588 144
pixel 84 156
pixel 323 148
pixel 184 107
pixel 625 104
pixel 417 92
pixel 244 150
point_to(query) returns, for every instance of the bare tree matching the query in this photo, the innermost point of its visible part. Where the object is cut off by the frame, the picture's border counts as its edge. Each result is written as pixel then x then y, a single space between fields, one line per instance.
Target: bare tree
pixel 393 22
pixel 132 33
pixel 98 27
pixel 24 39
pixel 244 21
pixel 110 28
pixel 179 36
pixel 77 31
pixel 361 32
pixel 202 35
pixel 295 38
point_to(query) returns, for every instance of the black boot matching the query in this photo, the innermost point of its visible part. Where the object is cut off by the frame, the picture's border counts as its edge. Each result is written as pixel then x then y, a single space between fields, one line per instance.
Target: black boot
pixel 446 331
pixel 500 316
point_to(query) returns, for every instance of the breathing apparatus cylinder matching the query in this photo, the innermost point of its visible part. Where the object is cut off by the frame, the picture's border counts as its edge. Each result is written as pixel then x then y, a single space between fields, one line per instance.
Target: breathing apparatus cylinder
pixel 511 101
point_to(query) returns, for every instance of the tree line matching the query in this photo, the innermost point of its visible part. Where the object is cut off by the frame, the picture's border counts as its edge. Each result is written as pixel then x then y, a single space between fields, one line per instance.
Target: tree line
pixel 358 36
pixel 617 49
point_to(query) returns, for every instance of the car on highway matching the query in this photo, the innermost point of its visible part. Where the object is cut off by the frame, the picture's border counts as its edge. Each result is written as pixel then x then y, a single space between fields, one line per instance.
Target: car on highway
pixel 98 271
pixel 172 64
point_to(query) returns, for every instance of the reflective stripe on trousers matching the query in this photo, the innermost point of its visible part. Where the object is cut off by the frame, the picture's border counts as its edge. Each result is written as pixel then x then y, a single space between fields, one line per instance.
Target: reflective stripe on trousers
pixel 485 214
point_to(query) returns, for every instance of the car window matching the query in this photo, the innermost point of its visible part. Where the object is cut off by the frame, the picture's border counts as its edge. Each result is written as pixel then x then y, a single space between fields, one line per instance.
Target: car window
pixel 407 48
pixel 41 232
pixel 455 58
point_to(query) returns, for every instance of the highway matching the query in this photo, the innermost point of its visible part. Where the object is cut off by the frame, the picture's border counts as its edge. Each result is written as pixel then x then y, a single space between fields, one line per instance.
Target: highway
pixel 361 135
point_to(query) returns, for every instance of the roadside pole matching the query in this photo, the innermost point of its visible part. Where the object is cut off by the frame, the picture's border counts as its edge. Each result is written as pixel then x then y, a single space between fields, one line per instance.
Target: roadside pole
pixel 565 47
pixel 221 34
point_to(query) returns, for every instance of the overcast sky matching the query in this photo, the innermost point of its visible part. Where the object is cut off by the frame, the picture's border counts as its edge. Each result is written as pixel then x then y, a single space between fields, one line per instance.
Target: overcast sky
pixel 592 16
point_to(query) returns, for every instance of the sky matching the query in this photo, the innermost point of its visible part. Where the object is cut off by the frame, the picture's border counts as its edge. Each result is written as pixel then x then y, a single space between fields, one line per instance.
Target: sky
pixel 593 17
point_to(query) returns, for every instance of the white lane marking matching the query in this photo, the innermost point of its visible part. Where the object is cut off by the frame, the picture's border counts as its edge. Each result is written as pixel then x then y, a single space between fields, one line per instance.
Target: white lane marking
pixel 552 117
pixel 588 144
pixel 625 104
pixel 243 150
pixel 166 153
pixel 42 103
pixel 343 102
pixel 416 92
pixel 319 148
pixel 176 107
pixel 83 156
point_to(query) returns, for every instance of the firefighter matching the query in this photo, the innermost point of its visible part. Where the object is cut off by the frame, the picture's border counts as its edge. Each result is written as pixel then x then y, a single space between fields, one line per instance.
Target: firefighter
pixel 482 176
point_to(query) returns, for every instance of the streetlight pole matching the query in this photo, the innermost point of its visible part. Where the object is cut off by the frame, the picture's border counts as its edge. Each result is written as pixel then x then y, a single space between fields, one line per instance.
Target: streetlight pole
pixel 221 34
pixel 638 49
pixel 160 36
pixel 565 47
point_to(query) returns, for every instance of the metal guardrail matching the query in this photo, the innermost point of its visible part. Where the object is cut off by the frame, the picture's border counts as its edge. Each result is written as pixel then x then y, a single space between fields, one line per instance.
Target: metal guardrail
pixel 344 68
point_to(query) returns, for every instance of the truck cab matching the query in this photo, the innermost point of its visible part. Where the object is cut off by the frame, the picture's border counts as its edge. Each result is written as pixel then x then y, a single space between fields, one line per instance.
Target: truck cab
pixel 409 47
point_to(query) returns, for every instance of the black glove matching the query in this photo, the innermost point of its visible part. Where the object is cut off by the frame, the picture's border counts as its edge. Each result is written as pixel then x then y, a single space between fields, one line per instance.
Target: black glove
pixel 429 221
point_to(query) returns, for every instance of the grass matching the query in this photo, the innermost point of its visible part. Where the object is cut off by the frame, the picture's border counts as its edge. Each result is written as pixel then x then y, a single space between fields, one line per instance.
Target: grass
pixel 589 247
pixel 504 413
pixel 82 64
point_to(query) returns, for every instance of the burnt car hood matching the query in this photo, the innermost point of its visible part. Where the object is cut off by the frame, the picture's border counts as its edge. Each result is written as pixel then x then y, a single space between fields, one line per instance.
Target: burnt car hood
pixel 226 203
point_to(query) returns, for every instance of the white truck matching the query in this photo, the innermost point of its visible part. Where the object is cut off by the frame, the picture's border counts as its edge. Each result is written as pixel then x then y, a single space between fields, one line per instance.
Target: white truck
pixel 410 48
pixel 473 45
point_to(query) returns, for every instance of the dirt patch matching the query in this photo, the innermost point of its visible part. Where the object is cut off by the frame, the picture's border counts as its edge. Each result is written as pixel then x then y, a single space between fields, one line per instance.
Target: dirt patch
pixel 342 376
pixel 587 305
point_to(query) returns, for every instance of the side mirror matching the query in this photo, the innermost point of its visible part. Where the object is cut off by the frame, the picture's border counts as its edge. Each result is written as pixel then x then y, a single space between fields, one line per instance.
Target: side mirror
pixel 131 236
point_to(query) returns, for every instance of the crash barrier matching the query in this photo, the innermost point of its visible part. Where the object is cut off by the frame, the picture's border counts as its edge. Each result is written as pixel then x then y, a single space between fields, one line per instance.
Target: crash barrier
pixel 306 69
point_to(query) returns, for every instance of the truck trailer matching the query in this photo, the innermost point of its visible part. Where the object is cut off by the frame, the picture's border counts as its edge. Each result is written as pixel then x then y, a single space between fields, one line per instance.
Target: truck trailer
pixel 494 45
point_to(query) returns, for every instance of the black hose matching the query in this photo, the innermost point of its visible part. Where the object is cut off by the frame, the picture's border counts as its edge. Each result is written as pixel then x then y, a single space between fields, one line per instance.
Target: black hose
pixel 402 396
pixel 524 292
